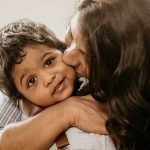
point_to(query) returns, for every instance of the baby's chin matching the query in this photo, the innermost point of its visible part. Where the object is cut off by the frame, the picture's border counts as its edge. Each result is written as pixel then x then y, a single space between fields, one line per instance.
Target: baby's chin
pixel 57 98
pixel 65 95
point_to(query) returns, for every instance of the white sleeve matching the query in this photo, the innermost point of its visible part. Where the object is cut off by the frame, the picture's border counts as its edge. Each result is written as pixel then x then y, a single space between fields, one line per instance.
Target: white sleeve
pixel 80 140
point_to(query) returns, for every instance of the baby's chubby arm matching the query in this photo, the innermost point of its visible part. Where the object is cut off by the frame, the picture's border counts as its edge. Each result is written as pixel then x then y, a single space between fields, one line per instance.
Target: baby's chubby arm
pixel 41 130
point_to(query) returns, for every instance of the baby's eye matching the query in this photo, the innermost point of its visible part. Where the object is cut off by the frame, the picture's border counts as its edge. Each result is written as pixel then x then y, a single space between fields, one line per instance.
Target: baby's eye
pixel 48 62
pixel 31 81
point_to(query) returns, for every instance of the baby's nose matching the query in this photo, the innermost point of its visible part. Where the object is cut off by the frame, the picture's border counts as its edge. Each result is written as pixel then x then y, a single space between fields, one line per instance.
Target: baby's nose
pixel 48 79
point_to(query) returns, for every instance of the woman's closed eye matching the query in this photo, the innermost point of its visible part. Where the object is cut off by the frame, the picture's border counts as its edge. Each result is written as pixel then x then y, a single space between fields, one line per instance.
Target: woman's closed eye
pixel 31 81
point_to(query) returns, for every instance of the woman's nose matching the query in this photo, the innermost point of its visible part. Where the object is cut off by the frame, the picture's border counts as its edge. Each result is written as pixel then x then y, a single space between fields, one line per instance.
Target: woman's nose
pixel 70 57
pixel 77 59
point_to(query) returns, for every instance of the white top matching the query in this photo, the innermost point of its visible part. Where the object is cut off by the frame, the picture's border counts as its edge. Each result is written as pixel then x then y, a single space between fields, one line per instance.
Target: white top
pixel 80 140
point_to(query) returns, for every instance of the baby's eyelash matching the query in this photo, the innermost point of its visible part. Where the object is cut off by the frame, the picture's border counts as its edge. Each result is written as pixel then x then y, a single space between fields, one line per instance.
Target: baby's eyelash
pixel 31 81
pixel 49 62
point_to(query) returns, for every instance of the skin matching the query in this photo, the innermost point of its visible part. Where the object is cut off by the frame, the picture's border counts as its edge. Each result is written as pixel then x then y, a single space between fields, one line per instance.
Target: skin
pixel 43 73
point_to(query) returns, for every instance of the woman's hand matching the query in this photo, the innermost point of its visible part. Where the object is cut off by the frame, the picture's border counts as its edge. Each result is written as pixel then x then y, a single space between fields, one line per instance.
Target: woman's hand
pixel 87 114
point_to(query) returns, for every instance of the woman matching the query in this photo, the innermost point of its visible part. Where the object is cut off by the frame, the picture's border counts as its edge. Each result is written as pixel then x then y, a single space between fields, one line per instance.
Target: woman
pixel 108 42
pixel 52 83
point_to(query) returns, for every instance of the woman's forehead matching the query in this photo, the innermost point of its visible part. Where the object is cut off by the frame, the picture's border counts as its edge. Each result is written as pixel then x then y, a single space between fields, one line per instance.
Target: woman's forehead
pixel 74 27
pixel 72 31
pixel 74 20
pixel 68 35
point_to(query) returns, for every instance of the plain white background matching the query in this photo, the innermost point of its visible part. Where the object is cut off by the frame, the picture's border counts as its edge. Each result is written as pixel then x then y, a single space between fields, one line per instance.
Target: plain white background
pixel 53 13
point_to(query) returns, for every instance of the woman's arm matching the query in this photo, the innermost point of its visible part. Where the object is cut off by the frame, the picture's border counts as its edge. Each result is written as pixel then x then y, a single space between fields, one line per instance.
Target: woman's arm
pixel 40 131
pixel 37 132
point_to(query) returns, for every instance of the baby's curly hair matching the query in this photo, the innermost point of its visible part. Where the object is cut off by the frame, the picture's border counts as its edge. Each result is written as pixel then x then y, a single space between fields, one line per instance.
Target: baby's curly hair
pixel 13 38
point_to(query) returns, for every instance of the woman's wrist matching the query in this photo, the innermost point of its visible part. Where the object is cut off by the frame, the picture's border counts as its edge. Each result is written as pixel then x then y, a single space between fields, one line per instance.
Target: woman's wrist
pixel 67 115
pixel 71 112
pixel 62 115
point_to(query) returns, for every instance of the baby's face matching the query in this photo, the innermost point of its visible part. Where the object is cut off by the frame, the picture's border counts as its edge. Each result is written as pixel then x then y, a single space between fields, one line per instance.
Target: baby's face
pixel 42 77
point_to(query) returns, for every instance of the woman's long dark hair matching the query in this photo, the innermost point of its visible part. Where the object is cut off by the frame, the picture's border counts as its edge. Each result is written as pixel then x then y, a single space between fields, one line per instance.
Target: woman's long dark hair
pixel 117 37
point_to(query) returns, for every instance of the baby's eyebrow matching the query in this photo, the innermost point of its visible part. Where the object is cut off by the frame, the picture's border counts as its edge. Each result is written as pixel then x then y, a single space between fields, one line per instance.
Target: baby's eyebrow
pixel 44 55
pixel 24 73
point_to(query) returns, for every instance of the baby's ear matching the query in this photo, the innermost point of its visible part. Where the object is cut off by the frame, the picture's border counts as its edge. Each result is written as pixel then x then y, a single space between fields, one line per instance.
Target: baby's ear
pixel 28 108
